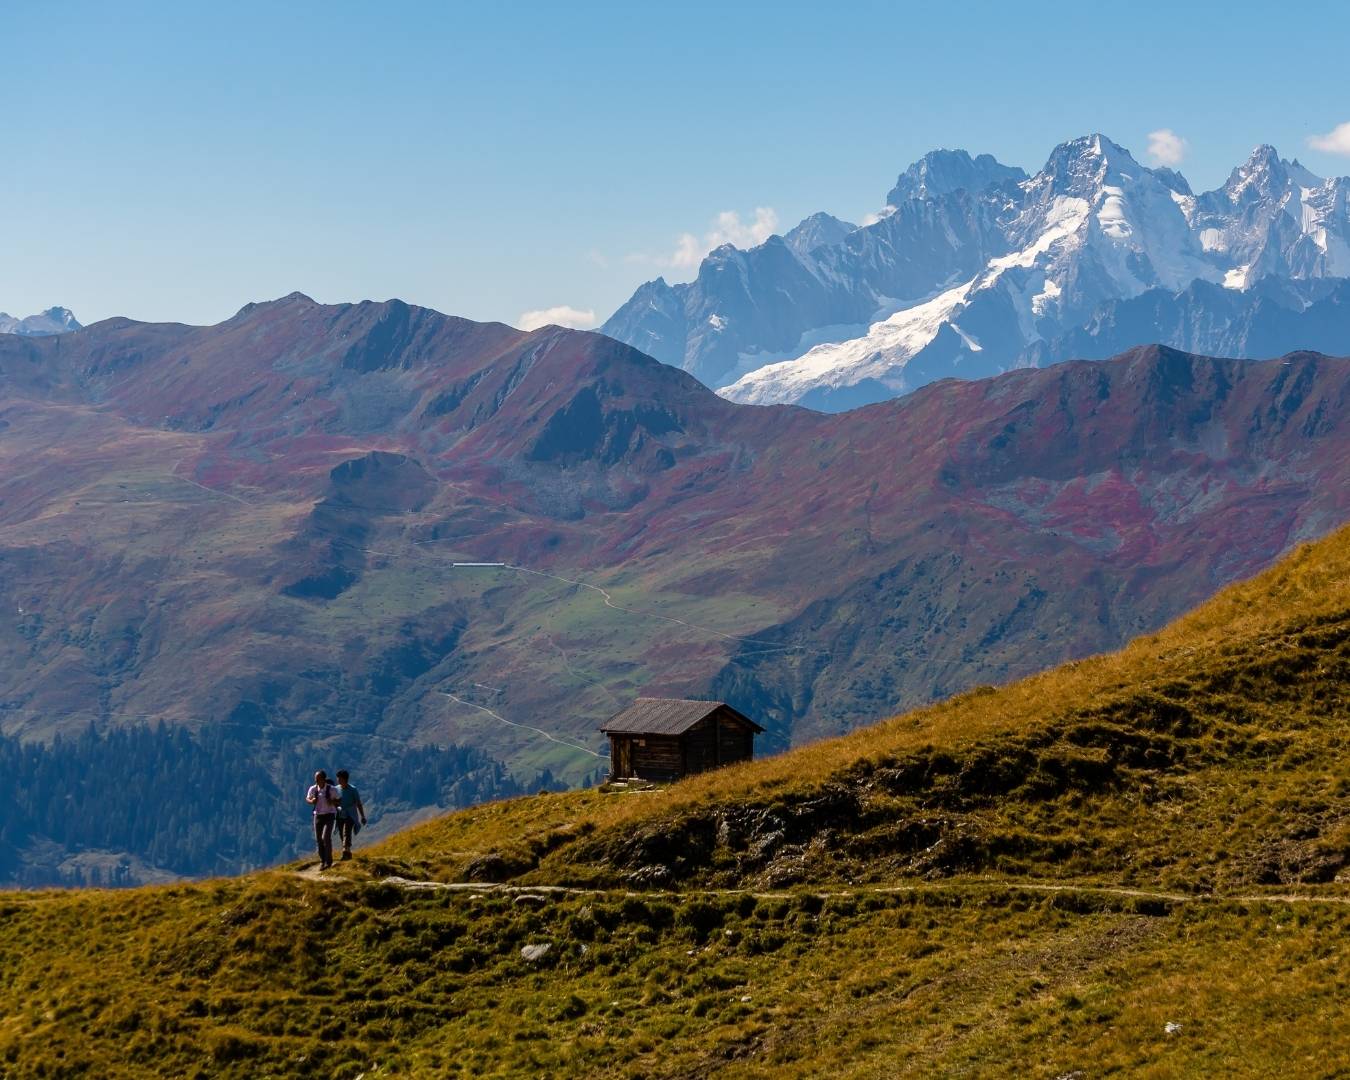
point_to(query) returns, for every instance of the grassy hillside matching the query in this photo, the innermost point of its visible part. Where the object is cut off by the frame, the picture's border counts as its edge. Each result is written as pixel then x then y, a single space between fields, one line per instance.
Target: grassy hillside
pixel 1209 755
pixel 1127 866
pixel 258 532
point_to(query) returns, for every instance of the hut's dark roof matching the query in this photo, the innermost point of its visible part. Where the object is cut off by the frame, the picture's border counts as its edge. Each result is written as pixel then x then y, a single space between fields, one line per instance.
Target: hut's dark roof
pixel 667 716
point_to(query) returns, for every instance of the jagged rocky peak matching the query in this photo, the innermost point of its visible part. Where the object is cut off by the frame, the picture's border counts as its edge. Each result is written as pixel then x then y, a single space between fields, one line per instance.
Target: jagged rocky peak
pixel 59 320
pixel 55 320
pixel 655 291
pixel 940 172
pixel 945 285
pixel 817 231
pixel 1173 180
pixel 1265 175
pixel 1081 166
pixel 1257 177
pixel 653 320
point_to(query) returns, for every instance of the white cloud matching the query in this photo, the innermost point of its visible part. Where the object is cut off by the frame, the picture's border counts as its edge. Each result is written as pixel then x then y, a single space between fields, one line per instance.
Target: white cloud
pixel 1335 141
pixel 727 228
pixel 562 315
pixel 1166 147
pixel 688 252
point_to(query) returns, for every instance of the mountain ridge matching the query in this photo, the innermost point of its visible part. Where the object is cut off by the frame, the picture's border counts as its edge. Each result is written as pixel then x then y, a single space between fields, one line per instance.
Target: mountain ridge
pixel 972 266
pixel 257 525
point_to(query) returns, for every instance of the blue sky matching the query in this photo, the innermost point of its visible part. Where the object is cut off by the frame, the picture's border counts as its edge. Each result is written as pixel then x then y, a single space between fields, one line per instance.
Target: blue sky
pixel 177 161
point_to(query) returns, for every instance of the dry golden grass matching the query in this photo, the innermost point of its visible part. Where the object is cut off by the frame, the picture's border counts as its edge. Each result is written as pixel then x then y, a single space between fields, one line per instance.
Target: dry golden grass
pixel 973 889
pixel 274 976
pixel 1209 662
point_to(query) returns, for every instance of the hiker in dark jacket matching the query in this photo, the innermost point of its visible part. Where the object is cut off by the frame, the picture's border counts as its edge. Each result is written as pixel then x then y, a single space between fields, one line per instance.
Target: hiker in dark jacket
pixel 349 807
pixel 323 796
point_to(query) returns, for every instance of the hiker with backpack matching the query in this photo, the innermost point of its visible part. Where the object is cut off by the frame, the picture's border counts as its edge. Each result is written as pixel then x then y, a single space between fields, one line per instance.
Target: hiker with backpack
pixel 349 806
pixel 324 797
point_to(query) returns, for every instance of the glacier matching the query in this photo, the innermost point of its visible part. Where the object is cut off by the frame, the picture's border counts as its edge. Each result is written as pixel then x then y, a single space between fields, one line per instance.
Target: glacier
pixel 974 267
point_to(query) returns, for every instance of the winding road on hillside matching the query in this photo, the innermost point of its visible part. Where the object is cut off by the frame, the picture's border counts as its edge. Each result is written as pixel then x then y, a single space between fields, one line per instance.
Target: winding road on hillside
pixel 763 645
pixel 526 727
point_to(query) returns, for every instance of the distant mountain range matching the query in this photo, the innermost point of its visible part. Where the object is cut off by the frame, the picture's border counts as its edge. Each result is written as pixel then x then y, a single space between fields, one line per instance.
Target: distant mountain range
pixel 974 268
pixel 55 320
pixel 376 523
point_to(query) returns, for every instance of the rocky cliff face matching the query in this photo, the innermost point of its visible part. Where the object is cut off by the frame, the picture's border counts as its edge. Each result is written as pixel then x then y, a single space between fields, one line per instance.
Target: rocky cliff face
pixel 55 320
pixel 974 268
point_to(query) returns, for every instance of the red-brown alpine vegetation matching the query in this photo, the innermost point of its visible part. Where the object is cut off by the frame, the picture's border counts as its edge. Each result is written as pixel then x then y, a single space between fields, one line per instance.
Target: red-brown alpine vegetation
pixel 250 527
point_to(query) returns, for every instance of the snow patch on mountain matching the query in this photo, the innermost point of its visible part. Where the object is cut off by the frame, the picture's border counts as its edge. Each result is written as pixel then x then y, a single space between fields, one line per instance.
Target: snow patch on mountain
pixel 882 353
pixel 879 354
pixel 973 264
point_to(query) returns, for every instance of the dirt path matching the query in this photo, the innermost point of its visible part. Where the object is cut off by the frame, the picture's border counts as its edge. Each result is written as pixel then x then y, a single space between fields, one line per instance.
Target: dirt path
pixel 567 663
pixel 561 741
pixel 544 891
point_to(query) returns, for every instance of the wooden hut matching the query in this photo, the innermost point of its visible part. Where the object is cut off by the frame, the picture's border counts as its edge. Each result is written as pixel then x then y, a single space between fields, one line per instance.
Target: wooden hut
pixel 667 738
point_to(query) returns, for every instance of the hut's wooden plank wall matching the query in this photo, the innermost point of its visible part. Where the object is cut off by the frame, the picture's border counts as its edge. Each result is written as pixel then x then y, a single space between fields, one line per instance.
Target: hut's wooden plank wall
pixel 720 738
pixel 658 757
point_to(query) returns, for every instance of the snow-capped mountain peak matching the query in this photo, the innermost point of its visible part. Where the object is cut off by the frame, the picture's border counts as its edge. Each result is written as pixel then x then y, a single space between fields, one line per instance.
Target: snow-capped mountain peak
pixel 1264 175
pixel 975 264
pixel 941 172
pixel 1126 230
pixel 1274 217
pixel 55 320
pixel 1082 166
